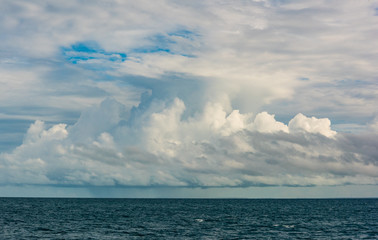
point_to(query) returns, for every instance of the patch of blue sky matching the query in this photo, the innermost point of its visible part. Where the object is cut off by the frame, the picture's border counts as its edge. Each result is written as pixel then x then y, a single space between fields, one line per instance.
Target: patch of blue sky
pixel 159 49
pixel 90 55
pixel 175 43
pixel 158 43
pixel 184 33
pixel 90 52
pixel 152 49
pixel 88 47
pixel 12 132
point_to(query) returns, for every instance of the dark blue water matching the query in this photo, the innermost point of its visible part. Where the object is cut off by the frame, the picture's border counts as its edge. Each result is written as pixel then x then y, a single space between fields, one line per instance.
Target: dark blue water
pixel 43 218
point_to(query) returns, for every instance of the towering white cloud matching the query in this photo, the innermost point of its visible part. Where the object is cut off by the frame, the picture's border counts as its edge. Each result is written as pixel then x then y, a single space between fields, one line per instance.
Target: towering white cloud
pixel 264 122
pixel 212 149
pixel 312 125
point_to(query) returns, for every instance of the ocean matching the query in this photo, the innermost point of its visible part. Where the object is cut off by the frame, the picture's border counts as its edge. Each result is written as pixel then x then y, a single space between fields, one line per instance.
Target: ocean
pixel 78 218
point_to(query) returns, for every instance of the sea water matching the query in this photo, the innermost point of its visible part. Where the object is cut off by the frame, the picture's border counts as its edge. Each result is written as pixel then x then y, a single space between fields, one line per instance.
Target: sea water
pixel 48 218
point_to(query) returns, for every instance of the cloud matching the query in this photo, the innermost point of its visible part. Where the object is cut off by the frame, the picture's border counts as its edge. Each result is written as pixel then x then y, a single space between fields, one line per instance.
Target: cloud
pixel 212 149
pixel 254 52
pixel 312 125
pixel 264 122
pixel 189 89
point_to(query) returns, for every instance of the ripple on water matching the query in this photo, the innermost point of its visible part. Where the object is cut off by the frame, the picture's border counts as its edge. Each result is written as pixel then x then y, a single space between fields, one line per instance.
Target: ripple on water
pixel 188 218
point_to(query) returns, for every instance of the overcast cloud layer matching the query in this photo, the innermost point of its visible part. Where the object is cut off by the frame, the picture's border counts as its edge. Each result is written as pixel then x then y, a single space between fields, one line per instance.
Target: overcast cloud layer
pixel 191 94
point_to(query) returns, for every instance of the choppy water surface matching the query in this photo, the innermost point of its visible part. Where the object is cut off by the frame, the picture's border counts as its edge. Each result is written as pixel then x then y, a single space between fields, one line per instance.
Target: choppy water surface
pixel 43 218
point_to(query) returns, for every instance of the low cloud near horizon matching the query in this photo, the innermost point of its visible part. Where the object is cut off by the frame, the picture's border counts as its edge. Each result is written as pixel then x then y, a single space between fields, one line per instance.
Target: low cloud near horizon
pixel 211 149
pixel 202 94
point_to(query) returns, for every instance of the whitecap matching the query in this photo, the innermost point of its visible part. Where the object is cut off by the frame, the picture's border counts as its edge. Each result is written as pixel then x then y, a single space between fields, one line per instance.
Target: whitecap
pixel 288 226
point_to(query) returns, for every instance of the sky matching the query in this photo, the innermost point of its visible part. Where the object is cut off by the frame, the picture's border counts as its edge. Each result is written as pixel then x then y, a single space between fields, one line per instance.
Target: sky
pixel 231 99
